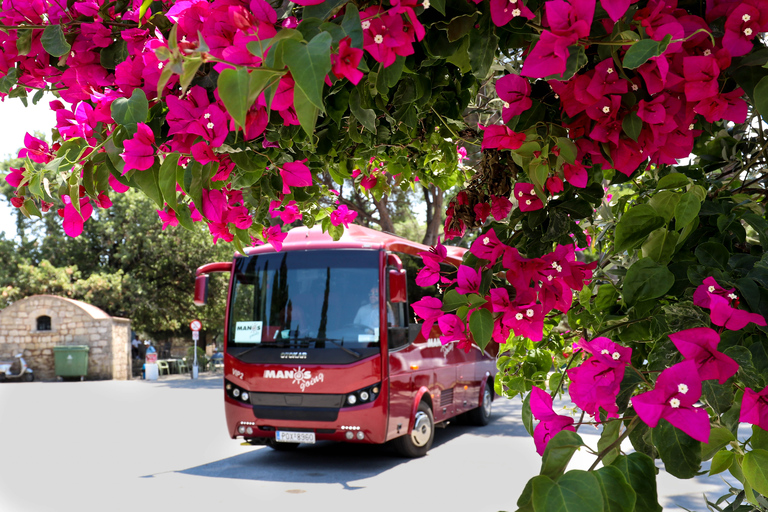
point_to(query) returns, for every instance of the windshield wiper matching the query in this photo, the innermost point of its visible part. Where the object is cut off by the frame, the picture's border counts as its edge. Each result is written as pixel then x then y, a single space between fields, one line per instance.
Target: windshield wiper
pixel 335 342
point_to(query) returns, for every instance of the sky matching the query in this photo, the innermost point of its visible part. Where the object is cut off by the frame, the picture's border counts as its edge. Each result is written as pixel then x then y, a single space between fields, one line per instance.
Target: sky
pixel 15 121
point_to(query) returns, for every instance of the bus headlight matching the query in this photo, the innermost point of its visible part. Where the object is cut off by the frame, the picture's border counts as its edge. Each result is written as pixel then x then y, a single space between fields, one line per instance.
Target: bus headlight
pixel 352 399
pixel 236 392
pixel 364 395
pixel 245 396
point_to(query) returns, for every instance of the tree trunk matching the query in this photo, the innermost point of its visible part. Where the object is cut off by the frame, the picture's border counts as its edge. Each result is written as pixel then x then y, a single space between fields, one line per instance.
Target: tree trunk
pixel 433 196
pixel 385 219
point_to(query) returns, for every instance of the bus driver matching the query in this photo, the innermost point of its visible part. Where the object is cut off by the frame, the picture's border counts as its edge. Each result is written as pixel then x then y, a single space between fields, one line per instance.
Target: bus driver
pixel 368 314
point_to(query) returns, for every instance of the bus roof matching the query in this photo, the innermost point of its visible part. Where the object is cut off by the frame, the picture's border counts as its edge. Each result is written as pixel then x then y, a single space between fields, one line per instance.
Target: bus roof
pixel 354 237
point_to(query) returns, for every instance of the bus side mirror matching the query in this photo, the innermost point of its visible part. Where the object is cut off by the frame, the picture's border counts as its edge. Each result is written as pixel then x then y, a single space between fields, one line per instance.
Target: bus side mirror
pixel 397 290
pixel 201 290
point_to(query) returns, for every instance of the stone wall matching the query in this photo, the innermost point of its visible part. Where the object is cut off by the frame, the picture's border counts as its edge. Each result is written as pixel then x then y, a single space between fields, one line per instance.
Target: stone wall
pixel 71 323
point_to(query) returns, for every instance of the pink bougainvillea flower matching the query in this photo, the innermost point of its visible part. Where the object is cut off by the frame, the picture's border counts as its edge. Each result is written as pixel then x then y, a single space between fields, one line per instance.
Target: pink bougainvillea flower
pixel 467 280
pixel 453 329
pixel 550 423
pixel 117 186
pixel 615 8
pixel 500 207
pixel 289 214
pixel 482 211
pixel 488 247
pixel 703 293
pixel 724 315
pixel 741 27
pixel 369 181
pixel 168 217
pixel 295 174
pixel 74 220
pixel 526 197
pixel 37 150
pixel 429 273
pixel 607 352
pixel 676 391
pixel 515 92
pixel 498 136
pixel 103 200
pixel 576 174
pixel 549 56
pixel 273 235
pixel 345 62
pixel 139 152
pixel 429 310
pixel 754 408
pixel 566 17
pixel 203 153
pixel 701 75
pixel 700 345
pixel 462 151
pixel 343 216
pixel 596 382
pixel 554 185
pixel 504 11
pixel 15 177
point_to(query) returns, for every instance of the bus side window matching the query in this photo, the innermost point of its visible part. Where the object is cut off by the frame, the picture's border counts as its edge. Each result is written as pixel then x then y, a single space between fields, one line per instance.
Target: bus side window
pixel 397 317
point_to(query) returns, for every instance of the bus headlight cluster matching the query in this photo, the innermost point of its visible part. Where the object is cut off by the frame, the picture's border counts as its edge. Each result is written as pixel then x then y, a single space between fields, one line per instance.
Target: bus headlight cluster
pixel 362 396
pixel 237 393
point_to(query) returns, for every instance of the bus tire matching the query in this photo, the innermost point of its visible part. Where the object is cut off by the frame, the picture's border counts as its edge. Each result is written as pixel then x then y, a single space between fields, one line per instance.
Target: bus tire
pixel 418 441
pixel 282 447
pixel 481 416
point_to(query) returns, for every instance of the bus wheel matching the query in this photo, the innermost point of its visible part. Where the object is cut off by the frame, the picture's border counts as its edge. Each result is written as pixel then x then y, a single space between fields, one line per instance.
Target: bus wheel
pixel 419 440
pixel 282 447
pixel 482 415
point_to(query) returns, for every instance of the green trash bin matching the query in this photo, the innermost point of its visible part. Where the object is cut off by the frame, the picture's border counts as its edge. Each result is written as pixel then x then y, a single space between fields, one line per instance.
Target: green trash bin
pixel 71 360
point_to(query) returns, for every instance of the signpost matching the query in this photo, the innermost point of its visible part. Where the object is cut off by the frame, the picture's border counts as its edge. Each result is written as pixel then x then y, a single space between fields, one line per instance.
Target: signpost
pixel 195 325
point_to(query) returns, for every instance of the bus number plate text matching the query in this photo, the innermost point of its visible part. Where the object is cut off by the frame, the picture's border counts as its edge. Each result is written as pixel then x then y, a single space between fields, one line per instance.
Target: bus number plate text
pixel 295 437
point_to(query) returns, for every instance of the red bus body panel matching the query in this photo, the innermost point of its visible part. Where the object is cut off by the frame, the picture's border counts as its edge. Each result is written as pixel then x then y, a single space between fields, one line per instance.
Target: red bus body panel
pixel 450 380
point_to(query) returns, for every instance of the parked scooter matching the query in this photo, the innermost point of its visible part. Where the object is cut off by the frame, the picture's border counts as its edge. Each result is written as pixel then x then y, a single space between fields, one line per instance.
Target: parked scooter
pixel 16 369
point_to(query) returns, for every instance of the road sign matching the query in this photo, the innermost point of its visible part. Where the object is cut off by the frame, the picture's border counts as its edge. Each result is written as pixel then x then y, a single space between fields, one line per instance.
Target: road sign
pixel 196 325
pixel 195 335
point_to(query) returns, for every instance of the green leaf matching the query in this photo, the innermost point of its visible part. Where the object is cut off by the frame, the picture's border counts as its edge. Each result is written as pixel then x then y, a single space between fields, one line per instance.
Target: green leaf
pixel 167 179
pixel 660 245
pixel 129 111
pixel 558 453
pixel 618 495
pixel 366 116
pixel 640 473
pixel 673 180
pixel 54 42
pixel 712 254
pixel 719 437
pixel 453 300
pixel 309 64
pixel 755 467
pixel 761 97
pixel 194 172
pixel 639 53
pixel 686 210
pixel 680 452
pixel 324 10
pixel 608 436
pixel 635 226
pixel 114 54
pixel 646 279
pixel 575 491
pixel 352 25
pixel 718 396
pixel 481 326
pixel 721 461
pixel 483 44
pixel 306 112
pixel 759 438
pixel 9 80
pixel 664 203
pixel 632 125
pixel 526 415
pixel 23 41
pixel 148 183
pixel 233 87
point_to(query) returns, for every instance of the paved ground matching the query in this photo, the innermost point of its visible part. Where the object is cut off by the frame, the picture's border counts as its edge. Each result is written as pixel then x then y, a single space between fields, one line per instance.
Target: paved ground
pixel 162 446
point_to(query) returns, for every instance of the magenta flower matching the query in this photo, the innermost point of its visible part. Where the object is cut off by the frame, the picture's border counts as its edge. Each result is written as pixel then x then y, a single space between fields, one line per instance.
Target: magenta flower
pixel 103 200
pixel 754 408
pixel 500 207
pixel 482 211
pixel 430 273
pixel 676 391
pixel 488 247
pixel 369 181
pixel 700 345
pixel 117 186
pixel 168 217
pixel 701 297
pixel 15 177
pixel 345 62
pixel 498 136
pixel 576 174
pixel 467 280
pixel 453 329
pixel 615 8
pixel 596 382
pixel 428 309
pixel 515 92
pixel 343 215
pixel 139 152
pixel 550 423
pixel 74 220
pixel 554 185
pixel 203 153
pixel 504 11
pixel 295 174
pixel 549 56
pixel 273 235
pixel 37 150
pixel 724 315
pixel 741 27
pixel 701 75
pixel 526 197
pixel 570 17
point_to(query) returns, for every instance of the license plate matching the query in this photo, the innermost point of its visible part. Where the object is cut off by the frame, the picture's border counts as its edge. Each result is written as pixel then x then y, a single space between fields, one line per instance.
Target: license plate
pixel 295 437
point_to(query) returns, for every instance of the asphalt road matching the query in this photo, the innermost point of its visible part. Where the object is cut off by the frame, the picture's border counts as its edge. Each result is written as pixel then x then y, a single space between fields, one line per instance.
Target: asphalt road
pixel 162 446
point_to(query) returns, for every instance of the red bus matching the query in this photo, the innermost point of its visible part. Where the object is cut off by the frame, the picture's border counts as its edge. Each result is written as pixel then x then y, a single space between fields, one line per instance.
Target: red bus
pixel 306 358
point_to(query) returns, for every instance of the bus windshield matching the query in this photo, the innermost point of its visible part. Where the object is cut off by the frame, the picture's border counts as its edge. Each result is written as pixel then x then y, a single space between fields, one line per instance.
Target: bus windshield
pixel 321 299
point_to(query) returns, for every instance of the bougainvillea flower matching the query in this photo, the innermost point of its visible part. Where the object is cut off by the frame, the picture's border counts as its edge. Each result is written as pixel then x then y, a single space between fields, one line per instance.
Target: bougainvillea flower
pixel 515 92
pixel 701 75
pixel 15 177
pixel 596 382
pixel 576 174
pixel 37 150
pixel 295 174
pixel 526 319
pixel 429 310
pixel 504 11
pixel 429 273
pixel 139 152
pixel 724 315
pixel 703 293
pixel 453 329
pixel 676 391
pixel 607 352
pixel 570 17
pixel 117 186
pixel 754 408
pixel 700 346
pixel 741 27
pixel 497 136
pixel 369 181
pixel 467 280
pixel 482 211
pixel 500 207
pixel 345 62
pixel 549 56
pixel 615 8
pixel 550 423
pixel 488 247
pixel 74 220
pixel 343 215
pixel 554 185
pixel 527 199
pixel 273 235
pixel 168 217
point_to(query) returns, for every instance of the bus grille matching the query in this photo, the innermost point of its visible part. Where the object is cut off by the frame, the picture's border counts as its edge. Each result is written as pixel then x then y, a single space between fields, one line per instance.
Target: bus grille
pixel 446 397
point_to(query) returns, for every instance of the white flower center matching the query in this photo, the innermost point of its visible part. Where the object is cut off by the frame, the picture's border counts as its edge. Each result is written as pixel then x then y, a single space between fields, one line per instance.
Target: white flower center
pixel 609 71
pixel 615 356
pixel 675 403
pixel 635 87
pixel 519 316
pixel 747 31
pixel 529 313
pixel 486 241
pixel 682 388
pixel 733 296
pixel 604 351
pixel 559 269
pixel 378 39
pixel 506 104
pixel 690 126
pixel 426 4
pixel 528 202
pixel 711 289
pixel 746 18
pixel 606 109
pixel 207 115
pixel 366 25
pixel 549 278
pixel 557 96
pixel 707 53
pixel 159 65
pixel 520 194
pixel 209 126
pixel 516 13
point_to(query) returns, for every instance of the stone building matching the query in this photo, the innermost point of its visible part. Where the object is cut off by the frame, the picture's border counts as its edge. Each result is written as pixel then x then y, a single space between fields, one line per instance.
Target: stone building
pixel 35 325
